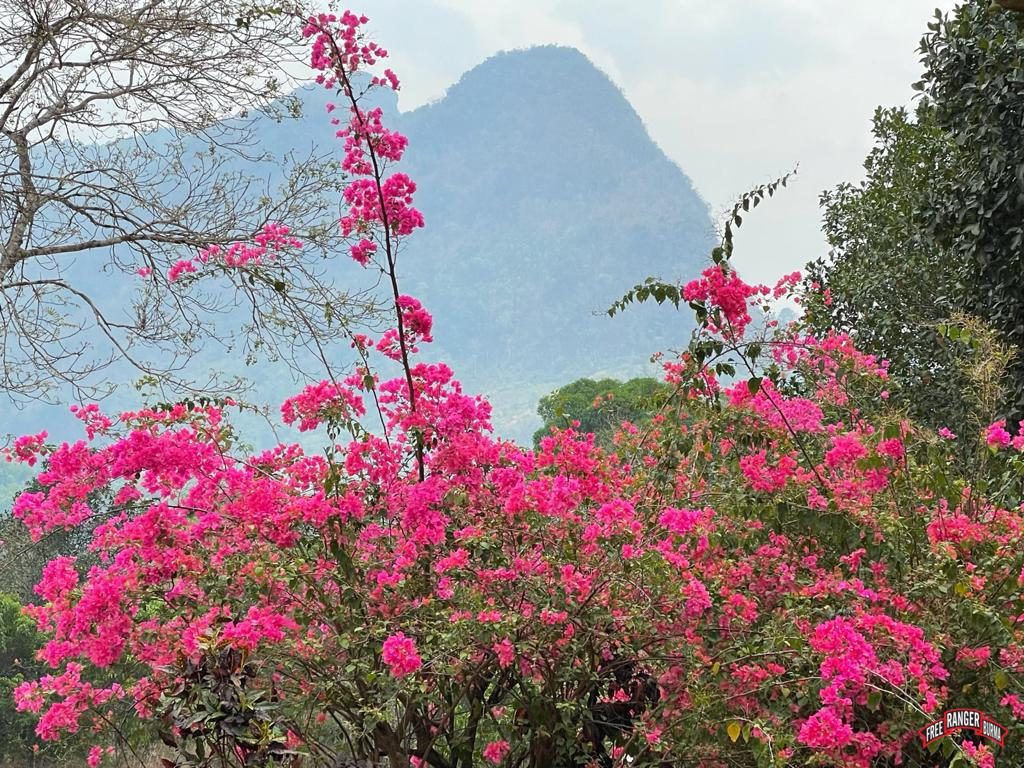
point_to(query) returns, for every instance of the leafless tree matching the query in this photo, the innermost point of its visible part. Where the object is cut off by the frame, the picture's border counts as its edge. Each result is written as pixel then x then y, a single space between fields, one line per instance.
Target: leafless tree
pixel 126 143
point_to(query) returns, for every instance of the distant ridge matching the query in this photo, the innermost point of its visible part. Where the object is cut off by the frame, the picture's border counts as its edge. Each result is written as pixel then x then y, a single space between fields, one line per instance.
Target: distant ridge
pixel 545 200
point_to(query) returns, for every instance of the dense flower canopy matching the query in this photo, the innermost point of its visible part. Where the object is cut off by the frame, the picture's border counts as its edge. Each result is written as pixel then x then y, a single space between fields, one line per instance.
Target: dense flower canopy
pixel 780 569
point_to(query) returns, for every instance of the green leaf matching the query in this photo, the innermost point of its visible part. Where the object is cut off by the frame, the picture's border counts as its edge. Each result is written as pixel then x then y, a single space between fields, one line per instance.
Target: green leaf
pixel 874 700
pixel 1001 679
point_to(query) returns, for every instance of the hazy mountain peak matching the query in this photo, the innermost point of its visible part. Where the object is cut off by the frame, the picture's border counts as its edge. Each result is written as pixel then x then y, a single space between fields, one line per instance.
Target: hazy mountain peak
pixel 540 73
pixel 553 99
pixel 545 200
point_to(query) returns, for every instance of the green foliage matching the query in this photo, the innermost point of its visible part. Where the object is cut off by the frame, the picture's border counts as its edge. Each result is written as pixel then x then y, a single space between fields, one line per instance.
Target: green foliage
pixel 601 406
pixel 887 286
pixel 13 478
pixel 18 644
pixel 974 83
pixel 212 705
pixel 937 226
pixel 651 288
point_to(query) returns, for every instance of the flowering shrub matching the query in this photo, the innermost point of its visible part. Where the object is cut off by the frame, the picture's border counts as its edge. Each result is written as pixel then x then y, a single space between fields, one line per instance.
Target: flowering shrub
pixel 778 569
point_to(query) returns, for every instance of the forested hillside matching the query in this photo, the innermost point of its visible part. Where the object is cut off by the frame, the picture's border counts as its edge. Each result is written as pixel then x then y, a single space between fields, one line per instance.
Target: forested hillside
pixel 548 199
pixel 545 197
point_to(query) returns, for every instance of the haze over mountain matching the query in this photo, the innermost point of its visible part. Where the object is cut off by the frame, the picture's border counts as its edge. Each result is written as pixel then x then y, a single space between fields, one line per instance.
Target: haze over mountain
pixel 545 200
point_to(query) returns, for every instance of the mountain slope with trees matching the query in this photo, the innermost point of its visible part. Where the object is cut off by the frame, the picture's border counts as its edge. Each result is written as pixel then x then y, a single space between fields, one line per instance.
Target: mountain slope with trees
pixel 544 197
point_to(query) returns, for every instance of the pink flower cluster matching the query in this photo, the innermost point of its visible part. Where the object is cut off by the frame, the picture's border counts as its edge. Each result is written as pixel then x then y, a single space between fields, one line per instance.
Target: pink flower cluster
pixel 723 290
pixel 338 47
pixel 266 244
pixel 782 412
pixel 363 251
pixel 495 751
pixel 399 653
pixel 27 448
pixel 997 436
pixel 417 325
pixel 852 667
pixel 389 204
pixel 375 201
pixel 76 696
pixel 321 402
pixel 95 421
pixel 368 130
pixel 764 477
pixel 260 625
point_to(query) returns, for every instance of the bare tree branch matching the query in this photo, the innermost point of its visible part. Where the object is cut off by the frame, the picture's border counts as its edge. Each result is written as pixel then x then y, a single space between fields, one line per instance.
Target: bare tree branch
pixel 127 143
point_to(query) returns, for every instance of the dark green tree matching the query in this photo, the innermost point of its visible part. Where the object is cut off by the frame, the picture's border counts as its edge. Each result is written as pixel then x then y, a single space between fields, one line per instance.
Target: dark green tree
pixel 937 226
pixel 18 645
pixel 601 406
pixel 974 84
pixel 883 282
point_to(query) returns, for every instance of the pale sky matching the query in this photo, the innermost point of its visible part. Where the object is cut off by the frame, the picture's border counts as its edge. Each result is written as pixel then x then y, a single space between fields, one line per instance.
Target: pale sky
pixel 736 92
